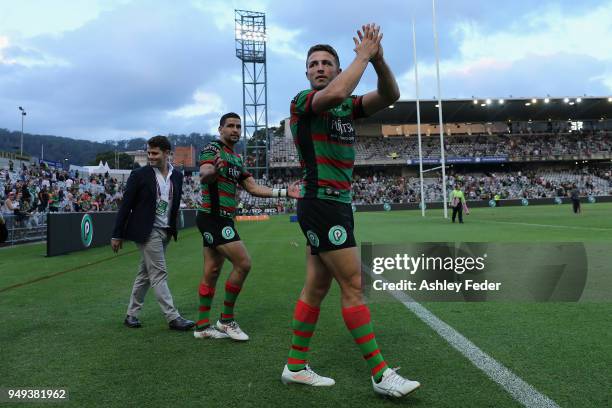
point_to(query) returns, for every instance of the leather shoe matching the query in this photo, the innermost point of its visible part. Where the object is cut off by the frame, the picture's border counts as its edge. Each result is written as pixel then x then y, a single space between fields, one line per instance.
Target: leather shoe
pixel 181 324
pixel 132 322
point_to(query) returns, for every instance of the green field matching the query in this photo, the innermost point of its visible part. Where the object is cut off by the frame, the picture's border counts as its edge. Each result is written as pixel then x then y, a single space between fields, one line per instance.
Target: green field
pixel 66 330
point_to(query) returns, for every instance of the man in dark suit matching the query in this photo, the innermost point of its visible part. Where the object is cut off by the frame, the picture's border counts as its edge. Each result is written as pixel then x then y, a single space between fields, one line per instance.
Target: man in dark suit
pixel 148 217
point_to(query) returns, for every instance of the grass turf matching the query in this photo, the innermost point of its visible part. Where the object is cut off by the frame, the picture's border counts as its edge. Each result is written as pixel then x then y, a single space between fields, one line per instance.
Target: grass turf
pixel 66 330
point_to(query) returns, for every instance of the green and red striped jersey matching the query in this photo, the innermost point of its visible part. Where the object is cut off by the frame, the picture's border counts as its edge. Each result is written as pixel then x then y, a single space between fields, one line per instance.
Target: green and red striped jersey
pixel 219 198
pixel 325 144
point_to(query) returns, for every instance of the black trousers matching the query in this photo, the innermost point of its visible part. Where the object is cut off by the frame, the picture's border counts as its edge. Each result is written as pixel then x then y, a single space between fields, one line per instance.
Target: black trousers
pixel 576 205
pixel 458 209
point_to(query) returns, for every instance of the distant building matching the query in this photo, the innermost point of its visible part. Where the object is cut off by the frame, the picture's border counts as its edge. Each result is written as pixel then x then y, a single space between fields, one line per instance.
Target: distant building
pixel 139 156
pixel 184 156
pixel 103 169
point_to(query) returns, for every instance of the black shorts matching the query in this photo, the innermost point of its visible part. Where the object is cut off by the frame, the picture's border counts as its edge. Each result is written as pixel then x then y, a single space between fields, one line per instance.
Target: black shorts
pixel 327 225
pixel 216 230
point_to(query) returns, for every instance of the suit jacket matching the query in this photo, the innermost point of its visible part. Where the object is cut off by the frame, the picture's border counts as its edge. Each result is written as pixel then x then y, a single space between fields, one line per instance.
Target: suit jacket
pixel 137 213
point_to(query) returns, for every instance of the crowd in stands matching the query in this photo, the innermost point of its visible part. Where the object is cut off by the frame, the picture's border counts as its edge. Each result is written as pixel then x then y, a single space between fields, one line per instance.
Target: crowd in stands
pixel 510 145
pixel 191 192
pixel 379 188
pixel 31 191
pixel 248 204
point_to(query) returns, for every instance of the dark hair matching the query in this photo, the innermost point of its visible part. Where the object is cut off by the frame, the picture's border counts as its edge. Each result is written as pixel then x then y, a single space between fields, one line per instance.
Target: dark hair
pixel 160 141
pixel 227 116
pixel 326 48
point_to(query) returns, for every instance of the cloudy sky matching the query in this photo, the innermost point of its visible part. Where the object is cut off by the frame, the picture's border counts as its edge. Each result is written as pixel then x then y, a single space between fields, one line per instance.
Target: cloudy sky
pixel 115 69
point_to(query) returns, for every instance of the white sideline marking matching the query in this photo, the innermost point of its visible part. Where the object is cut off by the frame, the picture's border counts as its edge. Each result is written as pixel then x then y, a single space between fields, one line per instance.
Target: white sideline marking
pixel 547 225
pixel 514 385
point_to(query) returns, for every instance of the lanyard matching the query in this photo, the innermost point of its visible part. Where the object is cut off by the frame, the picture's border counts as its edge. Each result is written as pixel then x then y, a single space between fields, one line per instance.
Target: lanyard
pixel 159 192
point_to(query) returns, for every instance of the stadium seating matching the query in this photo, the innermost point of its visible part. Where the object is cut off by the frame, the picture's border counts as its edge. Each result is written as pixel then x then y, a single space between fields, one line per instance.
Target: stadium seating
pixel 478 141
pixel 69 192
pixel 380 188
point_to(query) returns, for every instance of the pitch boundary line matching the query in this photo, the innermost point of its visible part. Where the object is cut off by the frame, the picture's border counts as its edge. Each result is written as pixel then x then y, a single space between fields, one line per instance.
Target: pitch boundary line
pixel 76 268
pixel 520 390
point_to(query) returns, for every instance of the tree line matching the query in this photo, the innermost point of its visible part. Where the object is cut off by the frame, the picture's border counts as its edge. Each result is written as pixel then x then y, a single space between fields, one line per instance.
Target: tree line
pixel 85 152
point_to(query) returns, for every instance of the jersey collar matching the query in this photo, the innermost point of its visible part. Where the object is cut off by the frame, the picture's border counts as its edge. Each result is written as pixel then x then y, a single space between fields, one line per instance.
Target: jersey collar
pixel 223 144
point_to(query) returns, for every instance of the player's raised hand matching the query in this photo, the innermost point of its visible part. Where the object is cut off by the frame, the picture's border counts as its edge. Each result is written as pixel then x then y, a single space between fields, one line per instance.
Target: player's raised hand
pixel 379 54
pixel 367 42
pixel 293 190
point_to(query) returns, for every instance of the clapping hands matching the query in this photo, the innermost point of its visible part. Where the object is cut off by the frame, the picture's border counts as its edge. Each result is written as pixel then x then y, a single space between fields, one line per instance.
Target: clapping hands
pixel 368 42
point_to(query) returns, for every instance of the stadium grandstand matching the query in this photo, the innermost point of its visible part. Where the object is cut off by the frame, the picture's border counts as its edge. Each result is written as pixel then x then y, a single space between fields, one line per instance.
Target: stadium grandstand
pixel 510 148
pixel 29 191
pixel 504 149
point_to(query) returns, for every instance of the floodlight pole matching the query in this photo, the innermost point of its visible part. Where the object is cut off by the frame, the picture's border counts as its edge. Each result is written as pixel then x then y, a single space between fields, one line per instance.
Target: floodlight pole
pixel 442 159
pixel 23 113
pixel 418 110
pixel 251 50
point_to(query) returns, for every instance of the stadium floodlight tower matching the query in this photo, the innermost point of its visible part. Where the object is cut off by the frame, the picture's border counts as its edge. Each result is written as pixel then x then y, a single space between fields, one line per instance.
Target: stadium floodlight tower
pixel 251 50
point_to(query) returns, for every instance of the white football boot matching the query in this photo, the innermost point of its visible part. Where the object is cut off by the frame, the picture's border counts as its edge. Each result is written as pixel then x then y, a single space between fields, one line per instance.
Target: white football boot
pixel 209 333
pixel 306 376
pixel 394 385
pixel 232 330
